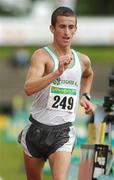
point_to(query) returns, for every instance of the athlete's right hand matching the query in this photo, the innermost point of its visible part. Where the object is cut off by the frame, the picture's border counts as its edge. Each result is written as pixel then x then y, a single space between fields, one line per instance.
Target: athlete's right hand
pixel 64 62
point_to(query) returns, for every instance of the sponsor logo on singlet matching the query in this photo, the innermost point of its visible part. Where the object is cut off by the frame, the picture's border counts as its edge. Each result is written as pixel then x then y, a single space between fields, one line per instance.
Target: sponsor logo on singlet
pixel 59 81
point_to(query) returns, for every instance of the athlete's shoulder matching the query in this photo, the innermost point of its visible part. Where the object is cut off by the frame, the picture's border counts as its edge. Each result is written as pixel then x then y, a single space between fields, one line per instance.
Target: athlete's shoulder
pixel 40 54
pixel 85 60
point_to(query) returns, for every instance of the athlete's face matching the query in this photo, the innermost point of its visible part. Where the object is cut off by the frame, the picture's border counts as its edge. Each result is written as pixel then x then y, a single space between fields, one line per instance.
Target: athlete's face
pixel 64 30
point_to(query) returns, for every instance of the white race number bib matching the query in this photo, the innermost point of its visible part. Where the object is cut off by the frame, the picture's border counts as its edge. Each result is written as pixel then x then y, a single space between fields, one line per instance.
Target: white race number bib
pixel 63 99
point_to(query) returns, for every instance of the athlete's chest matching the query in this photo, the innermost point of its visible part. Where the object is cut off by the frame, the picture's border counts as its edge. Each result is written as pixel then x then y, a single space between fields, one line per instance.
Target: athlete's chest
pixel 73 71
pixel 63 92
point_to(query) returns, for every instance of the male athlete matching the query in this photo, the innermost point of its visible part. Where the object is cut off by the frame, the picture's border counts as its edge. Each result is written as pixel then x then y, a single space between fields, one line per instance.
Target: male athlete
pixel 54 79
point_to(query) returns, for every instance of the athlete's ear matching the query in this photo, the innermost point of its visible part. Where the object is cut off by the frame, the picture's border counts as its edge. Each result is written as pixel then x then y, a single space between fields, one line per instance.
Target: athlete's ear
pixel 52 28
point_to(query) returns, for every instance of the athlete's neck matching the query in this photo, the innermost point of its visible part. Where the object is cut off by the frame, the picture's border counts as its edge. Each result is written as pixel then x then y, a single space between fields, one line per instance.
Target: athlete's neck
pixel 60 51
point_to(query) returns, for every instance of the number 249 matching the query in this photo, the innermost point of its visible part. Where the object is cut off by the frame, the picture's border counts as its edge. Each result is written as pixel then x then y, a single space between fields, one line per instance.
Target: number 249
pixel 65 102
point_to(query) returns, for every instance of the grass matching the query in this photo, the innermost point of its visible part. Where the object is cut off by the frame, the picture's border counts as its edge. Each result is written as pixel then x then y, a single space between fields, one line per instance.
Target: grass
pixel 97 54
pixel 11 162
pixel 11 158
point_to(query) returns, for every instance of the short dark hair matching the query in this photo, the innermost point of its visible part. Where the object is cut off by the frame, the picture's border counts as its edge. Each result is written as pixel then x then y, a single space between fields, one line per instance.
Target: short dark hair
pixel 61 11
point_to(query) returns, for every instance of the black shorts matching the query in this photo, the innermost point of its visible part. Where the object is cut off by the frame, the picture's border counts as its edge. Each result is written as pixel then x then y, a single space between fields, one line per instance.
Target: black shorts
pixel 41 140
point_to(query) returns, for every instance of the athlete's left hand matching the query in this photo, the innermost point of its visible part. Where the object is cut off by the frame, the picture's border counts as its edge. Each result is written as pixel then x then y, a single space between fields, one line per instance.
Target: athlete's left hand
pixel 88 106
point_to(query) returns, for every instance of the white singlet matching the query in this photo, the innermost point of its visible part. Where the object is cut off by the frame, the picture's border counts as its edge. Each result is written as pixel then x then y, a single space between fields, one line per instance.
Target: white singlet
pixel 57 103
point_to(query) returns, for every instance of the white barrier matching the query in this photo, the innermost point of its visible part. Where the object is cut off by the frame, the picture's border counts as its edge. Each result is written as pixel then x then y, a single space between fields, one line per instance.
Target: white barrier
pixel 27 31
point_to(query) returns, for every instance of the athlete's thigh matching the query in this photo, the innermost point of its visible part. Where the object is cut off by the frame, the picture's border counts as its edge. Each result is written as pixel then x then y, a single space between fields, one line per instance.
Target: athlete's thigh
pixel 59 163
pixel 33 167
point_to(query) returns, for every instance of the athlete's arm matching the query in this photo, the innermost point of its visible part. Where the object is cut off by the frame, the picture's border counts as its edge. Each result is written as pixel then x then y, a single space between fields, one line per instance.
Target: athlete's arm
pixel 87 78
pixel 37 79
pixel 87 75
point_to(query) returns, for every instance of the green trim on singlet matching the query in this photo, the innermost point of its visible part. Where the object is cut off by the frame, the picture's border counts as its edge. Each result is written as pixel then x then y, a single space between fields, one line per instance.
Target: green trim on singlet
pixel 52 55
pixel 53 51
pixel 72 65
pixel 78 54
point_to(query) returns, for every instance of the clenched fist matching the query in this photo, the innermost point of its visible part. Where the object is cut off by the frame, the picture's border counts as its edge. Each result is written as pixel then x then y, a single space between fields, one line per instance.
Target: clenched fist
pixel 64 62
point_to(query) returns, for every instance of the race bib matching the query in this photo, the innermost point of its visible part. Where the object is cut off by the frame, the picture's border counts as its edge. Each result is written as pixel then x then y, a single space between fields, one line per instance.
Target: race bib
pixel 63 99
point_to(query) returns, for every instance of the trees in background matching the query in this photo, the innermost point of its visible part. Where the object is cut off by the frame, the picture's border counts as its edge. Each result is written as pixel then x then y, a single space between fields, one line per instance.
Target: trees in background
pixel 95 7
